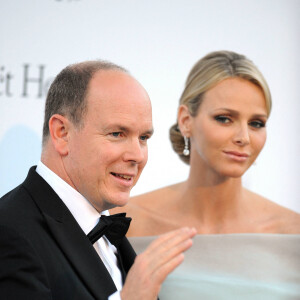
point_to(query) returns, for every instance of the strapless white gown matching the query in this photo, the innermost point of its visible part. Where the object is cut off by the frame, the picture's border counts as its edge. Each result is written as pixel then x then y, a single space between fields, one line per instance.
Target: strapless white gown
pixel 234 266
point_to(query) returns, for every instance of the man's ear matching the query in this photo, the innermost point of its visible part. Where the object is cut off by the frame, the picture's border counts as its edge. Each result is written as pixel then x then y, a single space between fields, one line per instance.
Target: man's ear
pixel 59 128
pixel 184 120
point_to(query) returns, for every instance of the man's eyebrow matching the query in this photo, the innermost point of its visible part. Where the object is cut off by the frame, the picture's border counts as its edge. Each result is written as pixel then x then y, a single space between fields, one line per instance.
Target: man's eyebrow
pixel 117 127
pixel 149 132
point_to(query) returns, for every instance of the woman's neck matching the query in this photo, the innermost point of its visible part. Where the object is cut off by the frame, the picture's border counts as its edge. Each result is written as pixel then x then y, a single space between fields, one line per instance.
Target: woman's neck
pixel 215 202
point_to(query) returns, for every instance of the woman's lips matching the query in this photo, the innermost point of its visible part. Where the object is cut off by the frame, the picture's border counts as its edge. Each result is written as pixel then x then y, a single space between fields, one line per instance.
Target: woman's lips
pixel 237 156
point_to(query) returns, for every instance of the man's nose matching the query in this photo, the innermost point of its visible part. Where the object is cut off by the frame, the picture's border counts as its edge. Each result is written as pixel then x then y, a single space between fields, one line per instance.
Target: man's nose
pixel 135 152
pixel 241 136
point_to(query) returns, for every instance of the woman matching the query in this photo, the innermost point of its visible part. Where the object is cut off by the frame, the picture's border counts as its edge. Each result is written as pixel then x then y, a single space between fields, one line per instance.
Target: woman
pixel 246 244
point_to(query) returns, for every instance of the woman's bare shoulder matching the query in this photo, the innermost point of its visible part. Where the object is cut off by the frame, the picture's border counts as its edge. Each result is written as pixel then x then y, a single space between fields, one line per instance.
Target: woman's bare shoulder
pixel 279 219
pixel 156 199
pixel 288 220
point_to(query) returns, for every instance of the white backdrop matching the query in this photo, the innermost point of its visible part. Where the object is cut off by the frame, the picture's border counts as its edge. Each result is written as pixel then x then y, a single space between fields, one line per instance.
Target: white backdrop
pixel 158 41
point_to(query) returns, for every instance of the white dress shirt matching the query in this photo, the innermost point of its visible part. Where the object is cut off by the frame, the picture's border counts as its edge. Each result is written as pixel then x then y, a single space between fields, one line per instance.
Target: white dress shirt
pixel 87 217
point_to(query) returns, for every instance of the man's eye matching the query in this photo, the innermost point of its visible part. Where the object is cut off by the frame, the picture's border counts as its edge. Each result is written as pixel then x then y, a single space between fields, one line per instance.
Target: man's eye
pixel 116 134
pixel 222 119
pixel 257 124
pixel 144 137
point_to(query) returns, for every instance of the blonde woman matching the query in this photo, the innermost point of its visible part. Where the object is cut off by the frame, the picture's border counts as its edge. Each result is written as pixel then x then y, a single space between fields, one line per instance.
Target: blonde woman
pixel 247 246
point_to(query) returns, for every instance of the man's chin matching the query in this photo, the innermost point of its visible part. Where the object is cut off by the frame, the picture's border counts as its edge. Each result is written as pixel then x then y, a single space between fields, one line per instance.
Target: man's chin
pixel 122 202
pixel 117 201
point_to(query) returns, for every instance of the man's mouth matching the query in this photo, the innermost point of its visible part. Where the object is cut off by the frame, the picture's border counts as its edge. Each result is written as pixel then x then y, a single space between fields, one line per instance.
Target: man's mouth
pixel 123 176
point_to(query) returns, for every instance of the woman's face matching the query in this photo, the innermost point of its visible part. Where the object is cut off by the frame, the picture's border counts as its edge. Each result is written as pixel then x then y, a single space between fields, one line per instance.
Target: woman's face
pixel 228 132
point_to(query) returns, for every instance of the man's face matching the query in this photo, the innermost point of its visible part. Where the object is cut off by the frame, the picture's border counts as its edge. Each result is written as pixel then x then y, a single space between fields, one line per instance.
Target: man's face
pixel 106 157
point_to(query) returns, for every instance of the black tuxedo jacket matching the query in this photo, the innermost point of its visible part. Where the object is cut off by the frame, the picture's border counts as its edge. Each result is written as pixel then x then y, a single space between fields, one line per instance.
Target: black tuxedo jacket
pixel 44 254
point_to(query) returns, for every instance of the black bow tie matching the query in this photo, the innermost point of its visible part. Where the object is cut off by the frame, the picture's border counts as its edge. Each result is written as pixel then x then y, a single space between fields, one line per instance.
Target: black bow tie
pixel 114 227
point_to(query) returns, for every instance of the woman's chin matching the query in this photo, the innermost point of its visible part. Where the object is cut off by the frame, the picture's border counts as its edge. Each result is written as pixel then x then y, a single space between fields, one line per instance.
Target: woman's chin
pixel 233 172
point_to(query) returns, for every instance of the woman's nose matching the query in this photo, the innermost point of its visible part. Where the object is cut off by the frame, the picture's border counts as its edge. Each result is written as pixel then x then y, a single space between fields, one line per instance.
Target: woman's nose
pixel 241 136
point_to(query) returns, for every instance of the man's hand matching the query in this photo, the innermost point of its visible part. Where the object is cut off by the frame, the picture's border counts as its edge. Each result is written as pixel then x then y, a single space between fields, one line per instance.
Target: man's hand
pixel 153 265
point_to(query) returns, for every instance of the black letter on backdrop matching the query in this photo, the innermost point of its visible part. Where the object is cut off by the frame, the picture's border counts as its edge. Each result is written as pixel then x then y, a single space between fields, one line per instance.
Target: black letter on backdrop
pixel 5 78
pixel 1 77
pixel 39 80
pixel 7 90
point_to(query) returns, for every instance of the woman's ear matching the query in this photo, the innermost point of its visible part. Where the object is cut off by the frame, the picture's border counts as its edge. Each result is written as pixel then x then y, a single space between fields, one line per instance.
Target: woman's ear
pixel 184 120
pixel 59 128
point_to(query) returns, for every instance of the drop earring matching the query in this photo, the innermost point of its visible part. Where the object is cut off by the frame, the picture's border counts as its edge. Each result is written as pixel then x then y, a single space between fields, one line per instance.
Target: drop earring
pixel 186 150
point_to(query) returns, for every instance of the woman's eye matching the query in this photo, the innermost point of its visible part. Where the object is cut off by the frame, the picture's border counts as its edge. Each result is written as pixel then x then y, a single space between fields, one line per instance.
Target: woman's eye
pixel 257 124
pixel 222 119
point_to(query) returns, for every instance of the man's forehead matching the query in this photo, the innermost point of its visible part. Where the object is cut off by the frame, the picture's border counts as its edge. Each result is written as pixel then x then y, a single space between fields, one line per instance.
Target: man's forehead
pixel 106 78
pixel 109 72
pixel 117 89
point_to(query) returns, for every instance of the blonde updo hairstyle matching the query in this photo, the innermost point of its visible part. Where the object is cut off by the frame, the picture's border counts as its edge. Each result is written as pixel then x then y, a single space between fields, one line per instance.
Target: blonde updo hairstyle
pixel 208 72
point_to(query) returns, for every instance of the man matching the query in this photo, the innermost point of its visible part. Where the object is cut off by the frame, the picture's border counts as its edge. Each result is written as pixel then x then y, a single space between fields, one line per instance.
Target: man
pixel 97 122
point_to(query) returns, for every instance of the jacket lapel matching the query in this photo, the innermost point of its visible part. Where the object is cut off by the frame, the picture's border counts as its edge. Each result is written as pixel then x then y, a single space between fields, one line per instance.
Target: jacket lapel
pixel 70 237
pixel 126 254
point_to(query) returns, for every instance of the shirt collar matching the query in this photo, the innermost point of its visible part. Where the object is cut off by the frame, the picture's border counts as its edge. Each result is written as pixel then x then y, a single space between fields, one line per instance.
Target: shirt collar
pixel 81 209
